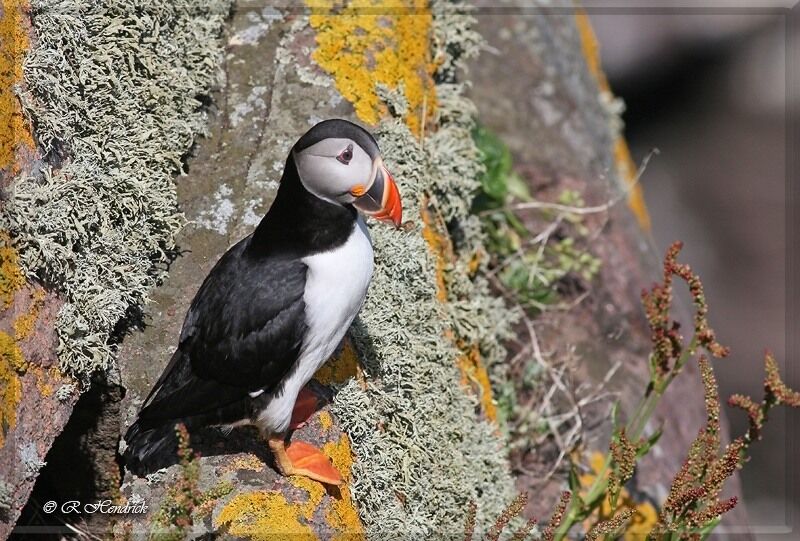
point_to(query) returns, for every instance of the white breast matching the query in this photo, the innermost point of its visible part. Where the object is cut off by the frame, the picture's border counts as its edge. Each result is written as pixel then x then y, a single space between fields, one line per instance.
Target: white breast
pixel 336 285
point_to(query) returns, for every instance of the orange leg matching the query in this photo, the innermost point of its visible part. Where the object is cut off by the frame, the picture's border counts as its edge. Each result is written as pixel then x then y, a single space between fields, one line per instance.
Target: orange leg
pixel 306 405
pixel 301 458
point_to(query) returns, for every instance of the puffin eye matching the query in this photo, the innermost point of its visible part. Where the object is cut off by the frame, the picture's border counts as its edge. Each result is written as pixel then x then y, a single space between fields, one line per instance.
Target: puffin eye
pixel 346 155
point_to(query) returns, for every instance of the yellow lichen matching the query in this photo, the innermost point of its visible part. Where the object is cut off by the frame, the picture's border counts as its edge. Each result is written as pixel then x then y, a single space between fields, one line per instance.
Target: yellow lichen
pixel 270 515
pixel 366 43
pixel 12 279
pixel 474 374
pixel 24 324
pixel 247 461
pixel 325 420
pixel 43 379
pixel 439 243
pixel 12 364
pixel 342 516
pixel 264 515
pixel 645 515
pixel 13 44
pixel 340 368
pixel 622 156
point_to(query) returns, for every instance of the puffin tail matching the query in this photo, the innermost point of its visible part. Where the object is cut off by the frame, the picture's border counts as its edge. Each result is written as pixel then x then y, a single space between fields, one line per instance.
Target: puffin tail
pixel 150 449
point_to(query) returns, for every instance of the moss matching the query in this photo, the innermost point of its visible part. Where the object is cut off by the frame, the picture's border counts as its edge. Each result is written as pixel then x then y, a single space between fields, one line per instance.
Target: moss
pixel 369 43
pixel 12 365
pixel 113 89
pixel 626 169
pixel 13 44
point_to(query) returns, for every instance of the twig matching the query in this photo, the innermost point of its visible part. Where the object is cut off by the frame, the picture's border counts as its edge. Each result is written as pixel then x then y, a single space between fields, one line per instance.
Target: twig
pixel 569 209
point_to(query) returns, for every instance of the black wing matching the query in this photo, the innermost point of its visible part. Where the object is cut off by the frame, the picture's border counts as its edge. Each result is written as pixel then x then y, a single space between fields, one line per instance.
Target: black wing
pixel 242 333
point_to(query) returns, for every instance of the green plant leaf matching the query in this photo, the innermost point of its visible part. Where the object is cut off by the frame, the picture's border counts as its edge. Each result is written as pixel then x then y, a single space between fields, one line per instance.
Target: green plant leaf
pixel 574 481
pixel 518 188
pixel 649 443
pixel 707 528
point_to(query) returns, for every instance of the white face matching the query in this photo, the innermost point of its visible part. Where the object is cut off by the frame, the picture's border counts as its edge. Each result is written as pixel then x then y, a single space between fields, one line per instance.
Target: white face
pixel 335 169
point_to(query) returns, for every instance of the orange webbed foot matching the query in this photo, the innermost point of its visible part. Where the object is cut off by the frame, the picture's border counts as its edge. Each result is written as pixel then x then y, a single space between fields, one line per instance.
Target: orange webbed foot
pixel 301 458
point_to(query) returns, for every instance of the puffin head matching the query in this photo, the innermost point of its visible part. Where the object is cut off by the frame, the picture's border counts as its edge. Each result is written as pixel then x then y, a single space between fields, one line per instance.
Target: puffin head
pixel 340 162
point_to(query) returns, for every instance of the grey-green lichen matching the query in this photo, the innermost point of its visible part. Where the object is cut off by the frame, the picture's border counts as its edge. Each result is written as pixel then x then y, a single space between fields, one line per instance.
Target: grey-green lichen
pixel 422 451
pixel 31 462
pixel 113 93
pixel 5 496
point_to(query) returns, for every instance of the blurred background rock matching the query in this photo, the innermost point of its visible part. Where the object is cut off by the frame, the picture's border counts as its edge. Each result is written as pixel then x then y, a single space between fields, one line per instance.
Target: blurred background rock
pixel 708 89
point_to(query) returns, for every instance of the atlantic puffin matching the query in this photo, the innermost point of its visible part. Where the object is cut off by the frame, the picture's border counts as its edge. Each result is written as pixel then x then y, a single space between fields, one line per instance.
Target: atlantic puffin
pixel 276 305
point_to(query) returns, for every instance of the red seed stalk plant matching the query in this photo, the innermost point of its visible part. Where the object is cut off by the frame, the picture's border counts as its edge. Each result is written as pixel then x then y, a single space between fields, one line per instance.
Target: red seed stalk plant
pixel 693 507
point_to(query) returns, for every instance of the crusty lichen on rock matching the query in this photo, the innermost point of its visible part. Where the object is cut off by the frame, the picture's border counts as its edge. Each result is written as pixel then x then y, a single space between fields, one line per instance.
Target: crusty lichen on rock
pixel 13 44
pixel 112 88
pixel 364 44
pixel 12 365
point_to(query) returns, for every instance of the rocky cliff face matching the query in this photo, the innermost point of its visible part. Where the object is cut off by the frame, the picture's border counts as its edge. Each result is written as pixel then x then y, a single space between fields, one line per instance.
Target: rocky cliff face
pixel 412 423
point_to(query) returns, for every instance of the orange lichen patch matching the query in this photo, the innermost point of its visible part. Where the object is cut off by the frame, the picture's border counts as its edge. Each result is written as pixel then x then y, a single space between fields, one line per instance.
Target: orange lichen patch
pixel 366 43
pixel 315 491
pixel 270 515
pixel 12 365
pixel 439 243
pixel 13 44
pixel 342 516
pixel 629 172
pixel 340 368
pixel 247 461
pixel 24 324
pixel 474 374
pixel 43 378
pixel 325 420
pixel 644 517
pixel 627 169
pixel 475 262
pixel 264 516
pixel 12 279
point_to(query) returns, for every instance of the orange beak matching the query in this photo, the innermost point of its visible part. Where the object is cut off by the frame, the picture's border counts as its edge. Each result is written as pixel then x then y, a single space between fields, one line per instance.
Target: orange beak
pixel 382 199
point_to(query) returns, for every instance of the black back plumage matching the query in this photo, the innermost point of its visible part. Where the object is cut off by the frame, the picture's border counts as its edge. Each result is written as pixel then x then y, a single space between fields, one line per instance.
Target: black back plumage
pixel 245 327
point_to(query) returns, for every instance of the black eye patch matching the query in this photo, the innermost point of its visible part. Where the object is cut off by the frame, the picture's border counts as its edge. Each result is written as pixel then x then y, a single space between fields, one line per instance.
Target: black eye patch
pixel 346 155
